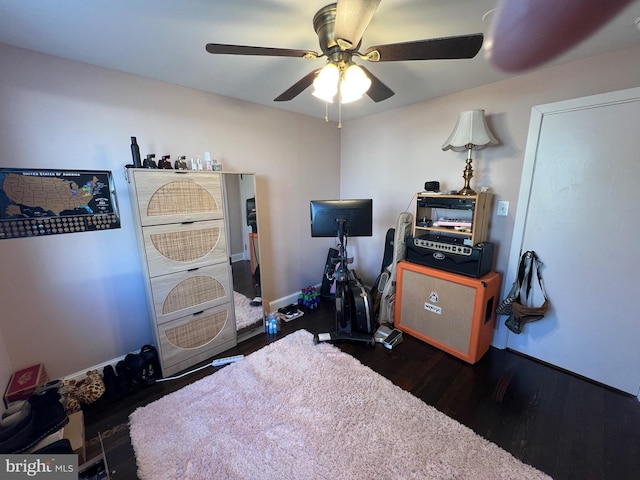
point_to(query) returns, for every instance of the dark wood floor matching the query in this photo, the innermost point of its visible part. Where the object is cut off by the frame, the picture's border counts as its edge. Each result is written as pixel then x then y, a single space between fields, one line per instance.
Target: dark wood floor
pixel 243 280
pixel 566 426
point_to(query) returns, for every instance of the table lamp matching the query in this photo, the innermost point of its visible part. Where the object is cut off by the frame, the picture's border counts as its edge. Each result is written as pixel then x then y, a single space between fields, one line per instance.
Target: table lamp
pixel 471 132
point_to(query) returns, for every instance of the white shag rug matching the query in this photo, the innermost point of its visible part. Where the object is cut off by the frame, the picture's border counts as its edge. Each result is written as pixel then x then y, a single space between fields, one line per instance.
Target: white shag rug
pixel 246 314
pixel 294 410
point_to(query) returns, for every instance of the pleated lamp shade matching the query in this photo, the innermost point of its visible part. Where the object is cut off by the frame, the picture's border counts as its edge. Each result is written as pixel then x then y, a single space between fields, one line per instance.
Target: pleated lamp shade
pixel 471 132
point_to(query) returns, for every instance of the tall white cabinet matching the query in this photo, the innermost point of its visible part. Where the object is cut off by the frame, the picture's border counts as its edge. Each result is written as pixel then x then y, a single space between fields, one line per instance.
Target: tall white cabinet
pixel 180 219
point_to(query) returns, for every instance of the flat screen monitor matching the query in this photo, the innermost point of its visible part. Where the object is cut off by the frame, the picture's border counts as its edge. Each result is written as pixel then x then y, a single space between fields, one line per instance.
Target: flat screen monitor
pixel 356 213
pixel 251 214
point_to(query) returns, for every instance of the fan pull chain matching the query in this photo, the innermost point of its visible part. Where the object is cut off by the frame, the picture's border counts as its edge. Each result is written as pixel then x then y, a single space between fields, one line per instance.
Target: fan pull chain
pixel 339 97
pixel 326 112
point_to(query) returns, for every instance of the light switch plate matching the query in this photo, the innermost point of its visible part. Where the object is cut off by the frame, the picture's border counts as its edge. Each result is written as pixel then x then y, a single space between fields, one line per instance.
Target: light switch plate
pixel 503 208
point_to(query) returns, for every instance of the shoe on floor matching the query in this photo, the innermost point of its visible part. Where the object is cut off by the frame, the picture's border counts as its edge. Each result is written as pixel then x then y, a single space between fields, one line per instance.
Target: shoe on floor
pixel 15 407
pixel 110 380
pixel 134 364
pixel 46 416
pixel 53 384
pixel 256 302
pixel 16 421
pixel 150 364
pixel 124 379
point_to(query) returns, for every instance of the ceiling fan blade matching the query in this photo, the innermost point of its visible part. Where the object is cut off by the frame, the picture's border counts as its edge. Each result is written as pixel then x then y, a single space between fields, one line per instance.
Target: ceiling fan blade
pixel 220 48
pixel 352 19
pixel 297 88
pixel 466 46
pixel 378 91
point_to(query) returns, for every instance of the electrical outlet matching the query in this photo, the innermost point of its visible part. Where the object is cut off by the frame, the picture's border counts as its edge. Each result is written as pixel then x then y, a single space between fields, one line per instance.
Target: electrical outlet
pixel 503 208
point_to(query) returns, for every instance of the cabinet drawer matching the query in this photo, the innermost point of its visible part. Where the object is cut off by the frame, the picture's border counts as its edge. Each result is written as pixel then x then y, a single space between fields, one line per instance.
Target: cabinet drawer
pixel 176 247
pixel 194 338
pixel 174 196
pixel 179 294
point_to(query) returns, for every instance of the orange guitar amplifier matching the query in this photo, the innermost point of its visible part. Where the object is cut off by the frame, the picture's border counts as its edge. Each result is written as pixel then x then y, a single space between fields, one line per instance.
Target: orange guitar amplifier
pixel 454 313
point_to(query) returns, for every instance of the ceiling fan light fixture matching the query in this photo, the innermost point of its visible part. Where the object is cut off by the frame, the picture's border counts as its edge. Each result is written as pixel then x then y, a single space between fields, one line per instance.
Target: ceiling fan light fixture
pixel 339 27
pixel 349 97
pixel 325 96
pixel 326 83
pixel 355 84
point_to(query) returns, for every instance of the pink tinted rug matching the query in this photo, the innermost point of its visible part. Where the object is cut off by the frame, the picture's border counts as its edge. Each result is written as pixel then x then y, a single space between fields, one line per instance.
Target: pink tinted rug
pixel 294 410
pixel 246 314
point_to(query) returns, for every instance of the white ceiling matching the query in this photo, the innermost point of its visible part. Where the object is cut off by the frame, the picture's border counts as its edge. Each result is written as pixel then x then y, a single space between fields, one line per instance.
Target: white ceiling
pixel 165 40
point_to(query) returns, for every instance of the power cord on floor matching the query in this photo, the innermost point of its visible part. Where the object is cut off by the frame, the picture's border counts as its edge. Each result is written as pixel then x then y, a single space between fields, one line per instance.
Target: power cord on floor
pixel 218 362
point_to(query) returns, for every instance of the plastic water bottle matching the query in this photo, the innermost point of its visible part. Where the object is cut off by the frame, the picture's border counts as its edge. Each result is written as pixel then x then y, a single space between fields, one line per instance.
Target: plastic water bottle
pixel 270 324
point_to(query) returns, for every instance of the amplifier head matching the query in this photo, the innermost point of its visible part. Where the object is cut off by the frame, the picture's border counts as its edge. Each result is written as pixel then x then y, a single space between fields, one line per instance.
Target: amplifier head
pixel 455 258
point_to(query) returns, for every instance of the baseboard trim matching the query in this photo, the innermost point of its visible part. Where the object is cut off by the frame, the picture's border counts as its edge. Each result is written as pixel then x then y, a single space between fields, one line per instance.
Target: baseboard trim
pixel 288 300
pixel 81 375
pixel 237 257
pixel 273 307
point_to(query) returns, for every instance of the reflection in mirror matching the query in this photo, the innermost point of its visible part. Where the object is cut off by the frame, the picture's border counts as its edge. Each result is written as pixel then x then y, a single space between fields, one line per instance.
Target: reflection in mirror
pixel 240 191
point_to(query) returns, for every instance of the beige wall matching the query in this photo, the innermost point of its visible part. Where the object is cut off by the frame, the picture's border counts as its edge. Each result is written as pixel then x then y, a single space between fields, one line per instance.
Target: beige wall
pixel 403 147
pixel 73 301
pixel 76 300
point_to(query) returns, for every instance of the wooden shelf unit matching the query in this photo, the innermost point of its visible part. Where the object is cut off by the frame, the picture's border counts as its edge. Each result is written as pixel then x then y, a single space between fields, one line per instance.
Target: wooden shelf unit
pixel 475 208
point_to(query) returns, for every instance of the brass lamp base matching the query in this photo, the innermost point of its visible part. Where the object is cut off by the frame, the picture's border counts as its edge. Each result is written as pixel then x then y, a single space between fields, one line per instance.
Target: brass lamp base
pixel 466 191
pixel 467 175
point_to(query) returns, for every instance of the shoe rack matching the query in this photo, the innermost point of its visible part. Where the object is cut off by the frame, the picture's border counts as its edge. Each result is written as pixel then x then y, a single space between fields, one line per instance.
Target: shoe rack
pixel 180 219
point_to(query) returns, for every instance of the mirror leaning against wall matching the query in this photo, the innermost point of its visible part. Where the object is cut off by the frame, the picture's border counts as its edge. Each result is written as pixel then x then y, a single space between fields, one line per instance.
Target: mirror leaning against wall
pixel 244 251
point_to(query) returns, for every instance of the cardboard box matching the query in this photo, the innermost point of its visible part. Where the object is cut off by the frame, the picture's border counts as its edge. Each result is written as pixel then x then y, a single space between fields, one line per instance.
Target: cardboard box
pixel 24 382
pixel 74 432
pixel 48 440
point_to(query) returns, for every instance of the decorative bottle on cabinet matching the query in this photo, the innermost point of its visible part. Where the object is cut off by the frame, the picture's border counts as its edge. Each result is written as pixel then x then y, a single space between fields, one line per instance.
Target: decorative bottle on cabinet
pixel 182 239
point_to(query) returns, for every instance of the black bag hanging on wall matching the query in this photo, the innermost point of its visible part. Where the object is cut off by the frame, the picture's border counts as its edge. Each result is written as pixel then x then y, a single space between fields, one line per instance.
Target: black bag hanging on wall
pixel 517 303
pixel 522 280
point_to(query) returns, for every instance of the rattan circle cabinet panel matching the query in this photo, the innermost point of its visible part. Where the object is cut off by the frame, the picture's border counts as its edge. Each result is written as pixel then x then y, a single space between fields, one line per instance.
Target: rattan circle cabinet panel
pixel 184 246
pixel 187 292
pixel 177 196
pixel 181 229
pixel 198 334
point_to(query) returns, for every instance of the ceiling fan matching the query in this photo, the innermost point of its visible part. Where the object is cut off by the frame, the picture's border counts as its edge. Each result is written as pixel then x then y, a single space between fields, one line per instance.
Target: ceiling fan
pixel 340 27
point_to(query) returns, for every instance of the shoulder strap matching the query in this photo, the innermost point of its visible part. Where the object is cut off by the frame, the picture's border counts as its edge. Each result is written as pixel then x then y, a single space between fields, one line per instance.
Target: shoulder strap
pixel 525 272
pixel 528 264
pixel 537 266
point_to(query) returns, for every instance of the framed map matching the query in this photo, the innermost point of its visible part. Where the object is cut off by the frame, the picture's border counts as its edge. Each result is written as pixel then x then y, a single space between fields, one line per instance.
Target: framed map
pixel 50 202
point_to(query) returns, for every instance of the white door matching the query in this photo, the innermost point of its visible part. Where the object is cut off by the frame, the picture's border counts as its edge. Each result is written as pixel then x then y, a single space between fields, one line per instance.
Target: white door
pixel 579 210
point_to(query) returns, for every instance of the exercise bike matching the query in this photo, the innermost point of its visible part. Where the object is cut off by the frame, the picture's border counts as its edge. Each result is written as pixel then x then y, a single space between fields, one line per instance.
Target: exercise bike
pixel 354 319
